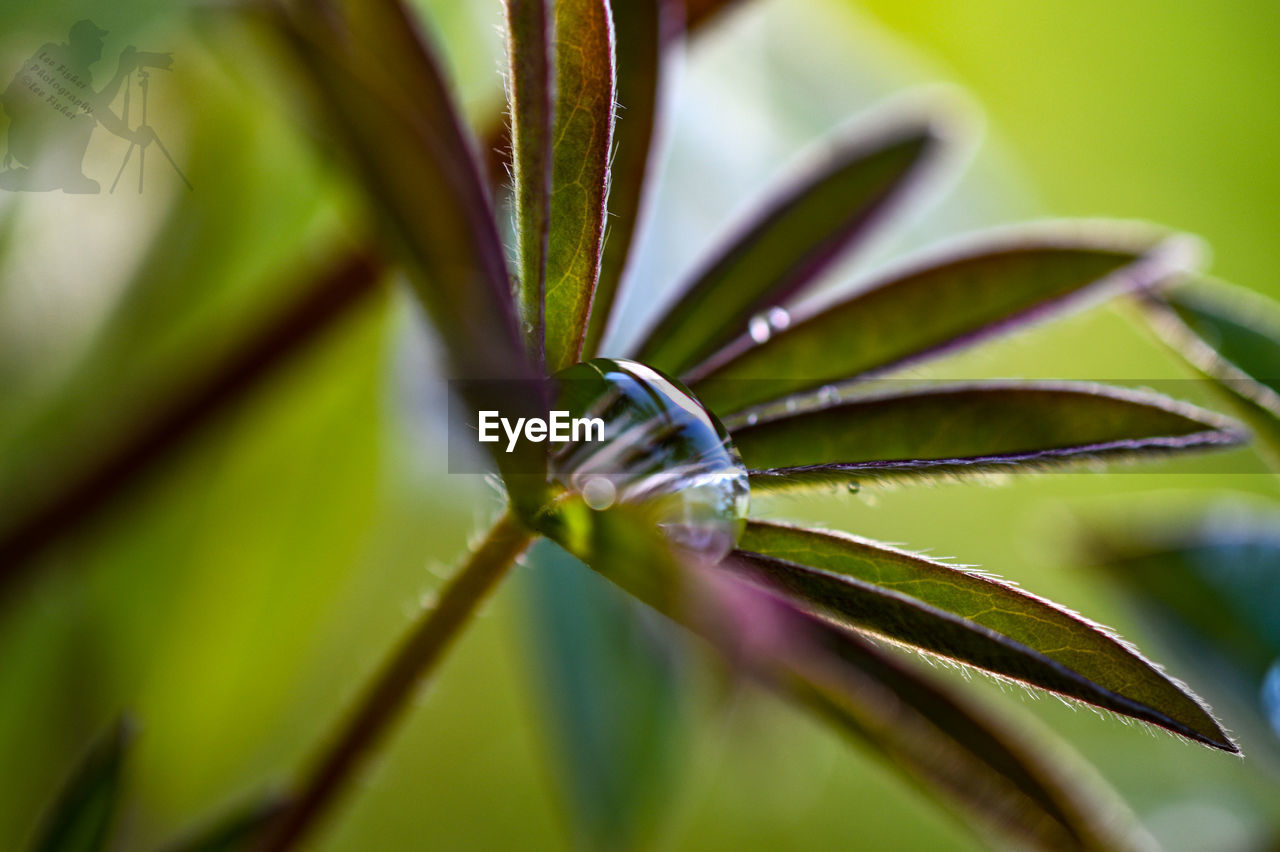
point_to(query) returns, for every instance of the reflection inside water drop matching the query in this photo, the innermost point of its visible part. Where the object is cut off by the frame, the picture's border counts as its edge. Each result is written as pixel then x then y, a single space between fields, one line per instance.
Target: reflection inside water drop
pixel 661 447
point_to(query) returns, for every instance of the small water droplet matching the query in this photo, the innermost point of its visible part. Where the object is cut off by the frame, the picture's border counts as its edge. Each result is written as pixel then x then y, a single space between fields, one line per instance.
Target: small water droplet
pixel 853 486
pixel 661 447
pixel 790 405
pixel 753 419
pixel 599 493
pixel 759 329
pixel 828 394
pixel 778 318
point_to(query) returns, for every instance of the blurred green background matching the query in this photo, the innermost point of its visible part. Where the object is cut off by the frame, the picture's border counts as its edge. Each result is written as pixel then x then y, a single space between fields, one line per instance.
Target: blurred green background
pixel 235 602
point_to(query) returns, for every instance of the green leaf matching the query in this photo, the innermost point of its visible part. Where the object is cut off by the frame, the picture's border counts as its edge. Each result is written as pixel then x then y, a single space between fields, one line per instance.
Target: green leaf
pixel 583 135
pixel 81 818
pixel 389 104
pixel 532 109
pixel 1002 284
pixel 952 746
pixel 640 26
pixel 1231 336
pixel 959 429
pixel 836 204
pixel 923 730
pixel 239 831
pixel 968 618
pixel 609 675
pixel 1211 586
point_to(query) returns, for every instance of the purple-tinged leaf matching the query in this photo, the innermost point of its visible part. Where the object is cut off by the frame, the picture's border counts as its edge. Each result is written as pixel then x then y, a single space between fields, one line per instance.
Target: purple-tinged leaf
pixel 1232 336
pixel 974 428
pixel 925 731
pixel 701 12
pixel 967 618
pixel 388 101
pixel 834 205
pixel 582 139
pixel 640 27
pixel 383 95
pixel 532 108
pixel 1003 283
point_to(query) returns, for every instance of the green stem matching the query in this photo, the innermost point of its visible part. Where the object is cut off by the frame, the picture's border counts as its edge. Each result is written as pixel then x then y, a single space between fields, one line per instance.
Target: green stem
pixel 386 697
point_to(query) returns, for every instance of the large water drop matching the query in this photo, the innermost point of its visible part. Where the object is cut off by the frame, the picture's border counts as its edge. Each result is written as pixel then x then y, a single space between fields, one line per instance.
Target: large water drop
pixel 660 447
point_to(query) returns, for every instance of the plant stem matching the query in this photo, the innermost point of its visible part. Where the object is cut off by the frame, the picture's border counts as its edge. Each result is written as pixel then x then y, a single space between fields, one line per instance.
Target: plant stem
pixel 387 695
pixel 345 284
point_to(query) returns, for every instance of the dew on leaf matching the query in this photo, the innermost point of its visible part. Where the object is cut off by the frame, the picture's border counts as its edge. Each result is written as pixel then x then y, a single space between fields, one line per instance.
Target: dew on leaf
pixel 763 325
pixel 660 448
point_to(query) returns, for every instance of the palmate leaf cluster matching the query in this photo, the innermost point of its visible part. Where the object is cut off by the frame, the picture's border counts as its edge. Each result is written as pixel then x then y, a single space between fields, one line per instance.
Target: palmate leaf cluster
pixel 793 608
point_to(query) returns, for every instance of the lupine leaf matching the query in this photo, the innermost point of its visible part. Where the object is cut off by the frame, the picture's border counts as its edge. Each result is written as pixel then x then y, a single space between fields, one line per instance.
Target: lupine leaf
pixel 640 26
pixel 388 103
pixel 81 818
pixel 959 429
pixel 532 109
pixel 926 732
pixel 239 831
pixel 1211 586
pixel 948 745
pixel 1231 337
pixel 582 139
pixel 1003 284
pixel 609 675
pixel 700 12
pixel 968 618
pixel 807 226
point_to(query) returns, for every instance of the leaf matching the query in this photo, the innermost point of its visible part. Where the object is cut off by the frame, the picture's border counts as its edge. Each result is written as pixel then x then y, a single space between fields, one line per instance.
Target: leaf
pixel 925 731
pixel 1211 586
pixel 384 94
pixel 583 135
pixel 833 206
pixel 386 97
pixel 81 818
pixel 609 676
pixel 947 744
pixel 970 619
pixel 239 831
pixel 701 12
pixel 1231 336
pixel 941 307
pixel 958 429
pixel 640 26
pixel 532 109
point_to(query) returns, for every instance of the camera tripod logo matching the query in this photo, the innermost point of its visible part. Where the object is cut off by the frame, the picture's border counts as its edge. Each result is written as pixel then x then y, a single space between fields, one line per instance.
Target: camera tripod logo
pixel 53 110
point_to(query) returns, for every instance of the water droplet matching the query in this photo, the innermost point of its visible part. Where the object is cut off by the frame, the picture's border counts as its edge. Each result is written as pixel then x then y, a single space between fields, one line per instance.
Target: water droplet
pixel 853 486
pixel 753 419
pixel 790 405
pixel 828 394
pixel 661 447
pixel 763 325
pixel 758 328
pixel 599 493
